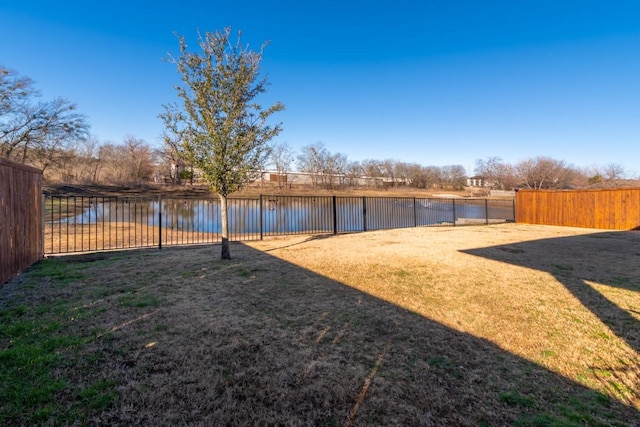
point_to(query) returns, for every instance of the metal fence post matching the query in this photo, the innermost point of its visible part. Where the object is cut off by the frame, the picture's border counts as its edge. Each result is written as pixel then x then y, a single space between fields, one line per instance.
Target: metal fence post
pixel 260 213
pixel 364 213
pixel 159 222
pixel 415 213
pixel 453 201
pixel 486 211
pixel 335 215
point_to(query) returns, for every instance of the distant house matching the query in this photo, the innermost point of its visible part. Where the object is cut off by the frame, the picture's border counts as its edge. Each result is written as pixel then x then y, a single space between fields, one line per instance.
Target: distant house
pixel 476 181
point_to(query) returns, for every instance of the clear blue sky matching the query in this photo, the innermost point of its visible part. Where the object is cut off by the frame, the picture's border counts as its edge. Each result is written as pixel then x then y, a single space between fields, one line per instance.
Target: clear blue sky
pixel 433 82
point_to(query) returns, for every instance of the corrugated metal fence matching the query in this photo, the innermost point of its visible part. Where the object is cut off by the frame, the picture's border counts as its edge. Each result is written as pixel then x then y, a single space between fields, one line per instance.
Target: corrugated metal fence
pixel 20 218
pixel 81 224
pixel 617 209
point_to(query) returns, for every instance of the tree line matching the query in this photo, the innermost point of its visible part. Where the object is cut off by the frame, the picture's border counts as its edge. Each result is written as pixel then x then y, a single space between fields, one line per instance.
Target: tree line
pixel 54 136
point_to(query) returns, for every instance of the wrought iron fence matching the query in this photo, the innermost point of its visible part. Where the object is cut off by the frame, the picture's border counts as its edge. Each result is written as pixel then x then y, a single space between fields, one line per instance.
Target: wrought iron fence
pixel 89 223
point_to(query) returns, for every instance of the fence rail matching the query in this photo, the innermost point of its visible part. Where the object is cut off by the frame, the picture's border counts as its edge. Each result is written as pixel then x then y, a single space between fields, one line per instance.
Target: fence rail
pixel 20 218
pixel 85 224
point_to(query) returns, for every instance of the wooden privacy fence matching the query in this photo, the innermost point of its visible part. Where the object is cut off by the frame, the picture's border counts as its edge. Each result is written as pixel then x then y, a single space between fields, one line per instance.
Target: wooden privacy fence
pixel 21 241
pixel 616 209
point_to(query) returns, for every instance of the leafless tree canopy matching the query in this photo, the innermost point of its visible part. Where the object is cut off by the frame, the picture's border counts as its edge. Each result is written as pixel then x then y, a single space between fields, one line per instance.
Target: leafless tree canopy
pixel 131 162
pixel 38 133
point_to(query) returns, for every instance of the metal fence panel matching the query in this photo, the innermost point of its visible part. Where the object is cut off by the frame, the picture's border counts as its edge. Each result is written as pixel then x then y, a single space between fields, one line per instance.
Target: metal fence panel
pixel 283 215
pixel 432 212
pixel 351 214
pixel 83 223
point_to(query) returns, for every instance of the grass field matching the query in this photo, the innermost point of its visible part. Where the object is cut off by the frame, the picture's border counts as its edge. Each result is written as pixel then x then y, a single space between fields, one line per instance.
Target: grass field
pixel 495 325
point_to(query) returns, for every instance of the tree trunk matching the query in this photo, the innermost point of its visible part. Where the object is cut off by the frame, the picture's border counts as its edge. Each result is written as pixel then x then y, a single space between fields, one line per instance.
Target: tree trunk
pixel 226 254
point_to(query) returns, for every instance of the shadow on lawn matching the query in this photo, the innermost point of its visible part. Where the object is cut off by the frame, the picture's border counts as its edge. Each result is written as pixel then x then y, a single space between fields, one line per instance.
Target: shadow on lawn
pixel 258 340
pixel 611 259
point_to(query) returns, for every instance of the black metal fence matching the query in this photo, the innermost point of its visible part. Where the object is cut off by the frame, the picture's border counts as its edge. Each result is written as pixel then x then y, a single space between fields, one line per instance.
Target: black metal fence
pixel 84 224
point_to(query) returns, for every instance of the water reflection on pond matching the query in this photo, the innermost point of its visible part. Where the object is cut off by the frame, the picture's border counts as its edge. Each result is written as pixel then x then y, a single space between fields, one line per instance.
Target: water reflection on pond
pixel 290 214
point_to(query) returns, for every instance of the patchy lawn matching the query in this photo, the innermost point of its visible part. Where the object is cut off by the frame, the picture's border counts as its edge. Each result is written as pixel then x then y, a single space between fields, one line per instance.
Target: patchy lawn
pixel 495 325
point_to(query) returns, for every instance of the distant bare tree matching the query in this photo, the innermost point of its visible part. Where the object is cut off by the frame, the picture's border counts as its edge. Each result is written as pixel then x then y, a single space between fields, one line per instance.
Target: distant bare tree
pixel 335 170
pixel 326 169
pixel 389 170
pixel 544 172
pixel 613 174
pixel 131 162
pixel 312 160
pixel 454 177
pixel 432 176
pixel 416 175
pixel 31 132
pixel 114 160
pixel 173 159
pixel 88 160
pixel 140 160
pixel 496 173
pixel 372 169
pixel 281 159
pixel 353 173
pixel 402 173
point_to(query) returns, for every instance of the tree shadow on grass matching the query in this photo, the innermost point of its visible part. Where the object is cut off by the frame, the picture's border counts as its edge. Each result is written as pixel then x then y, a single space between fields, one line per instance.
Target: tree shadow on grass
pixel 258 340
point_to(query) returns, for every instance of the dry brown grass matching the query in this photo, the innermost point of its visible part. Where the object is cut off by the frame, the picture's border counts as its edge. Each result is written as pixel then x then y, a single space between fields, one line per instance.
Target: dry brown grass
pixel 490 325
pixel 102 236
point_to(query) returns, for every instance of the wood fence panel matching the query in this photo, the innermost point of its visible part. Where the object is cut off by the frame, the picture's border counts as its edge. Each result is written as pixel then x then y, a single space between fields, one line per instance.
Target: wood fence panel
pixel 615 209
pixel 21 241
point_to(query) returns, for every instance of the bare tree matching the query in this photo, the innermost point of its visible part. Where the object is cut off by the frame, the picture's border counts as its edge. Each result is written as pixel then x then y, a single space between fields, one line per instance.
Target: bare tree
pixel 31 132
pixel 613 174
pixel 114 160
pixel 313 160
pixel 131 162
pixel 544 172
pixel 140 160
pixel 415 175
pixel 432 176
pixel 88 160
pixel 173 158
pixel 454 176
pixel 373 169
pixel 221 129
pixel 389 170
pixel 335 170
pixel 496 173
pixel 281 160
pixel 353 173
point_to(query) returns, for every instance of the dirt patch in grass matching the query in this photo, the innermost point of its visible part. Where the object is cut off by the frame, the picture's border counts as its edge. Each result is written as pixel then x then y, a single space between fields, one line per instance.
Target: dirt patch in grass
pixel 496 325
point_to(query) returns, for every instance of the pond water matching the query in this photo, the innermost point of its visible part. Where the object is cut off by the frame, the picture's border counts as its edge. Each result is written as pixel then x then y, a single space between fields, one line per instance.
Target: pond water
pixel 289 215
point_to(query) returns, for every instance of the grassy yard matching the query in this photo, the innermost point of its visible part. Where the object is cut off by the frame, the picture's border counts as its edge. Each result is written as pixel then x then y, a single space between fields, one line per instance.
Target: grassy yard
pixel 494 325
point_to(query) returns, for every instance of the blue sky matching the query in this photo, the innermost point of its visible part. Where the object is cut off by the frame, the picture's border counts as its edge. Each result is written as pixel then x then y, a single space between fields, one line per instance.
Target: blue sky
pixel 432 82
